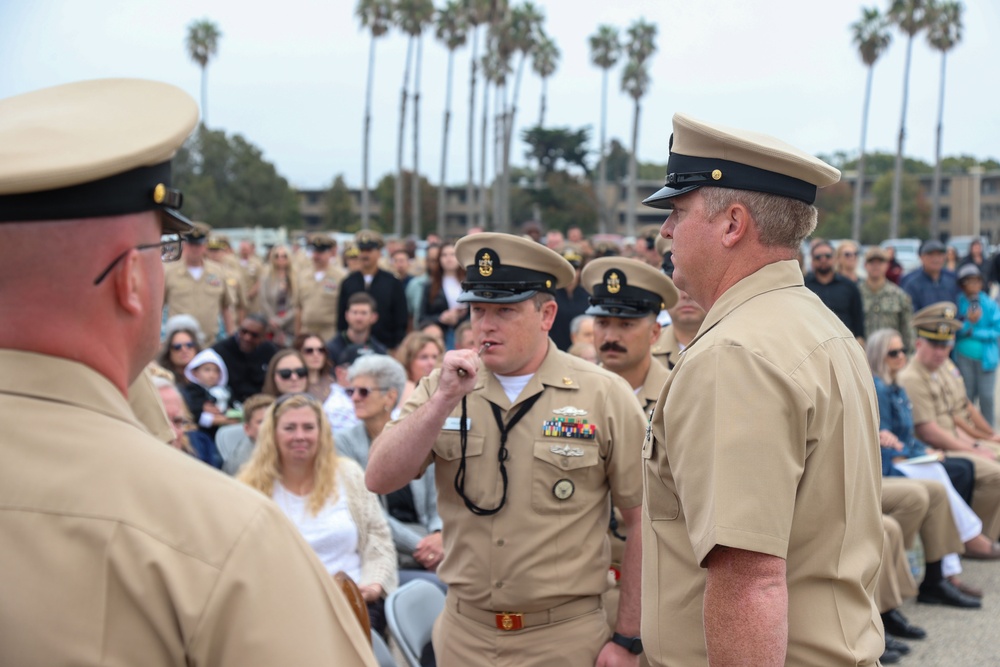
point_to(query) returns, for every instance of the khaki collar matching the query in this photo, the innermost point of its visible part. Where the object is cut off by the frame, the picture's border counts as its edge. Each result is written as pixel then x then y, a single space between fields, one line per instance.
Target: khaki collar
pixel 775 276
pixel 43 377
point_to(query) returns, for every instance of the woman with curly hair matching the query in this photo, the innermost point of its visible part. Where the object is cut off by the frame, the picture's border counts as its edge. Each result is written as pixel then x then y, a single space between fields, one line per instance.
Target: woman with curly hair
pixel 296 464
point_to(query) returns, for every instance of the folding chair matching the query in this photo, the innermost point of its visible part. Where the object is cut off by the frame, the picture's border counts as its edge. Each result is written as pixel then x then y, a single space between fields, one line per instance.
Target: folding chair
pixel 410 612
pixel 383 656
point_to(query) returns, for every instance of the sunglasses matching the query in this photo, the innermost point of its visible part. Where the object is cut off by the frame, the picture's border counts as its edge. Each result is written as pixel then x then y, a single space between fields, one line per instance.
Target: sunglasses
pixel 287 373
pixel 362 391
pixel 824 255
pixel 177 347
pixel 313 350
pixel 248 333
pixel 895 353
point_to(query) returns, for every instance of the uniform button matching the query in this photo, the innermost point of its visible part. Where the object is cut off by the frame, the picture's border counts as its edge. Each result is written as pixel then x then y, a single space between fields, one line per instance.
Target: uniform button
pixel 500 542
pixel 499 584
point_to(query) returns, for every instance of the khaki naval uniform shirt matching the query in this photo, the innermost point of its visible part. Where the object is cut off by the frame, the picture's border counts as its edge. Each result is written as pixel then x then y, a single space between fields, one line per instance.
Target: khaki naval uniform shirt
pixel 204 299
pixel 933 395
pixel 317 300
pixel 120 550
pixel 766 439
pixel 250 272
pixel 666 349
pixel 656 377
pixel 539 551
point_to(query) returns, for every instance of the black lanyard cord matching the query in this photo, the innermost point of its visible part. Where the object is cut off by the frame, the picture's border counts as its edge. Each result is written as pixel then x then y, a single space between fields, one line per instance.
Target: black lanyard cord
pixel 502 453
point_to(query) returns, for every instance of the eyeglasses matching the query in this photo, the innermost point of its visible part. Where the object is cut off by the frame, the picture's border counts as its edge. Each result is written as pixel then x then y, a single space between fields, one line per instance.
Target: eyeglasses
pixel 170 251
pixel 249 334
pixel 848 253
pixel 177 347
pixel 313 350
pixel 362 391
pixel 180 422
pixel 286 373
pixel 825 255
pixel 895 353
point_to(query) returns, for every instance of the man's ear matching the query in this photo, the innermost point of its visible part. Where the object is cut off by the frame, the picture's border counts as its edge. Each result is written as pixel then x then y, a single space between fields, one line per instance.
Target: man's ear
pixel 548 311
pixel 129 283
pixel 736 221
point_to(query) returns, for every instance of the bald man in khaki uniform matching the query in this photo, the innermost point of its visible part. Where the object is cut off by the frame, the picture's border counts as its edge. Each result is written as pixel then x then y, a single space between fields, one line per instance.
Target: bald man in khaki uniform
pixel 525 516
pixel 318 291
pixel 937 399
pixel 117 549
pixel 762 530
pixel 197 287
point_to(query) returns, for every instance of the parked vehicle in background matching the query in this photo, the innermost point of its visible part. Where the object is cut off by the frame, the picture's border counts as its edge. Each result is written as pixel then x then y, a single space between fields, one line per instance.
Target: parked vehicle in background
pixel 961 245
pixel 907 252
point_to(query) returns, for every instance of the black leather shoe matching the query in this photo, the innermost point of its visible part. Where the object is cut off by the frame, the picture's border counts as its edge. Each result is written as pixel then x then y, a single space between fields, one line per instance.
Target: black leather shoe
pixel 893 644
pixel 897 624
pixel 943 592
pixel 890 657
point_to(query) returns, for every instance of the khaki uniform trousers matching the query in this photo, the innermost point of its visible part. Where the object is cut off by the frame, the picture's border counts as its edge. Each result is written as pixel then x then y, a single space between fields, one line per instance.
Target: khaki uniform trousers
pixel 921 505
pixel 460 640
pixel 895 581
pixel 986 493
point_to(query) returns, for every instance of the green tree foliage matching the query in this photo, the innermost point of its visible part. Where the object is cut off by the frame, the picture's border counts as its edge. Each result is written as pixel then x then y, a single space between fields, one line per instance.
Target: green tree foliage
pixel 227 183
pixel 557 147
pixel 962 163
pixel 384 195
pixel 340 215
pixel 835 205
pixel 563 199
pixel 836 210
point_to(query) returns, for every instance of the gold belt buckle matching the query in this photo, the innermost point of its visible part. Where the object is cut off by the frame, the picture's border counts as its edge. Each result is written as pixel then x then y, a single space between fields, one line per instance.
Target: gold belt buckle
pixel 510 621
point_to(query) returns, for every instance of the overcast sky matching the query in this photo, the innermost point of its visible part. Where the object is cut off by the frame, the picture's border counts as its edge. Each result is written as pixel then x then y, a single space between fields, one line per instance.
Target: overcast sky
pixel 291 78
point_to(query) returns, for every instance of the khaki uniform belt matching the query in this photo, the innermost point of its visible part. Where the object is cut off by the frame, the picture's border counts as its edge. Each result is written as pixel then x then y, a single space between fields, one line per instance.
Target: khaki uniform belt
pixel 511 620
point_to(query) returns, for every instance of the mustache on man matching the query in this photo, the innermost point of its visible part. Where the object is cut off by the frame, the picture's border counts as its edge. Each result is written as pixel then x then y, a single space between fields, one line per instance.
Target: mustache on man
pixel 612 346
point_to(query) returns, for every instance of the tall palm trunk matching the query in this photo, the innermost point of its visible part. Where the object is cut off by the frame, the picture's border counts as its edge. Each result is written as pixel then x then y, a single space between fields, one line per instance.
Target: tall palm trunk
pixel 500 122
pixel 602 176
pixel 508 135
pixel 536 210
pixel 897 179
pixel 482 155
pixel 397 223
pixel 470 191
pixel 365 196
pixel 415 182
pixel 444 145
pixel 860 185
pixel 936 183
pixel 204 95
pixel 633 175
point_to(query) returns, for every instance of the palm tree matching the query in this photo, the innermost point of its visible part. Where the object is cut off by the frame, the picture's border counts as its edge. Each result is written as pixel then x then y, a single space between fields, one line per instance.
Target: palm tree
pixel 871 36
pixel 520 35
pixel 544 60
pixel 413 16
pixel 374 15
pixel 202 44
pixel 451 30
pixel 944 33
pixel 605 50
pixel 911 17
pixel 476 13
pixel 641 45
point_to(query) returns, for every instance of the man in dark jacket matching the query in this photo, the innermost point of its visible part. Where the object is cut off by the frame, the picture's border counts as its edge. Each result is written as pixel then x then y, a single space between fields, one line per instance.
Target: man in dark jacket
pixel 385 288
pixel 838 293
pixel 247 354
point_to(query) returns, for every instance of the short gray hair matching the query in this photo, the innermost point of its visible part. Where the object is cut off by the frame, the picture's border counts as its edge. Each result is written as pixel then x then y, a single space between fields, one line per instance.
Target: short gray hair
pixel 577 322
pixel 387 372
pixel 781 221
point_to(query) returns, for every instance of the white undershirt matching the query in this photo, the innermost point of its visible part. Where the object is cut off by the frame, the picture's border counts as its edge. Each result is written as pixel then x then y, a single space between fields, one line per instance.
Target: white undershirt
pixel 332 533
pixel 451 288
pixel 196 271
pixel 513 384
pixel 368 279
pixel 319 276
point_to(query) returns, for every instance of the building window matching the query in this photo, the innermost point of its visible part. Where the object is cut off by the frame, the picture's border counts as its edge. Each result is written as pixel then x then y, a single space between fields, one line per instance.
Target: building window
pixel 945 187
pixel 944 214
pixel 990 186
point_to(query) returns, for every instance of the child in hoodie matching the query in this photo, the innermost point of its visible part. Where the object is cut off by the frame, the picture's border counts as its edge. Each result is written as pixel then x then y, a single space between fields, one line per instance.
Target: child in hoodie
pixel 207 395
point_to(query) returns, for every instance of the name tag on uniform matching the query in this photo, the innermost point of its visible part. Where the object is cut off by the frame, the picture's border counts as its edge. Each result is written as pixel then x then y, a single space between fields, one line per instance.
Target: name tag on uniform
pixel 455 424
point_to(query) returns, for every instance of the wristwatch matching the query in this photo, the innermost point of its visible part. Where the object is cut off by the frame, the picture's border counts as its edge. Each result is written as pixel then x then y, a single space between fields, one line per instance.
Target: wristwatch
pixel 631 644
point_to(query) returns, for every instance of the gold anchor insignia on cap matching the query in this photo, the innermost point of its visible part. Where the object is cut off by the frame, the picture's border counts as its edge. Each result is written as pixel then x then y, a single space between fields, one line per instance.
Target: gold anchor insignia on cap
pixel 716 174
pixel 949 313
pixel 944 328
pixel 614 284
pixel 159 193
pixel 486 265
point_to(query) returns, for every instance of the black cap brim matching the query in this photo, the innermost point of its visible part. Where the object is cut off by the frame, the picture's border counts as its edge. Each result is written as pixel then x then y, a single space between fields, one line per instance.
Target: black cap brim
pixel 625 312
pixel 173 222
pixel 495 296
pixel 661 198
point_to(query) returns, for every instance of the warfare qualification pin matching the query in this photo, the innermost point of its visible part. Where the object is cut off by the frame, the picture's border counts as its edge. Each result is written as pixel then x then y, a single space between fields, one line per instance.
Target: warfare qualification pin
pixel 563 489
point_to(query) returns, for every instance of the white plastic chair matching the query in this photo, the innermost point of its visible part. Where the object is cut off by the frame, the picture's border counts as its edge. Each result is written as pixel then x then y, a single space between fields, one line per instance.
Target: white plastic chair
pixel 410 612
